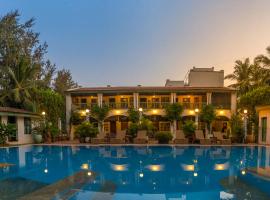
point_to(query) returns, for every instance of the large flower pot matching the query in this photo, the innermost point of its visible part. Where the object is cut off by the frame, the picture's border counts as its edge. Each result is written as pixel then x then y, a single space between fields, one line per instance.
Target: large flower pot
pixel 37 138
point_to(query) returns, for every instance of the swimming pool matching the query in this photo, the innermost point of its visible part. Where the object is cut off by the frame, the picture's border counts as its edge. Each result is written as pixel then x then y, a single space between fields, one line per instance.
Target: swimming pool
pixel 133 172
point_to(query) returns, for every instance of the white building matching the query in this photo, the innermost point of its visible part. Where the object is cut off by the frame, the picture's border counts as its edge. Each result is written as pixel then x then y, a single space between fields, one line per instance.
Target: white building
pixel 23 121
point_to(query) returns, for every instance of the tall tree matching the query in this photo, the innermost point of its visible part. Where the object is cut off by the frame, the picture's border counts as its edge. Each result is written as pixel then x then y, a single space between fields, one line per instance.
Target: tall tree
pixel 21 85
pixel 21 60
pixel 63 81
pixel 242 76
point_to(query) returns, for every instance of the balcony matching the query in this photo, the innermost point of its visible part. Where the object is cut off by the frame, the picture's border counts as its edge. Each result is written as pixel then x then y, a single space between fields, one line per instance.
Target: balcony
pixel 153 105
pixel 146 105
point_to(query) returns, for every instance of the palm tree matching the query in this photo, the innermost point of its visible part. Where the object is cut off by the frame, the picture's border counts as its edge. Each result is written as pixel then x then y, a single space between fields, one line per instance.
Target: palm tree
pixel 264 60
pixel 242 76
pixel 173 113
pixel 20 82
pixel 100 113
pixel 264 64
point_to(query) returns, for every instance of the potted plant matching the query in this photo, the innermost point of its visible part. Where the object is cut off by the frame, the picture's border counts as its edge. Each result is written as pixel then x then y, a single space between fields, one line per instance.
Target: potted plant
pixel 163 137
pixel 37 133
pixel 189 128
pixel 86 130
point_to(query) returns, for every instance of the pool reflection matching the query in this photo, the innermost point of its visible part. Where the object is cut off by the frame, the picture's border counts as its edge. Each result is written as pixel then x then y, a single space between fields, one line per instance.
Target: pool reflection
pixel 141 170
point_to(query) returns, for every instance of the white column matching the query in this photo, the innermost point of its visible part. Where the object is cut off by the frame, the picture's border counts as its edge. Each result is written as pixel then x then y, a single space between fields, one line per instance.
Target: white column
pixel 136 100
pixel 68 114
pixel 100 99
pixel 209 97
pixel 233 102
pixel 173 97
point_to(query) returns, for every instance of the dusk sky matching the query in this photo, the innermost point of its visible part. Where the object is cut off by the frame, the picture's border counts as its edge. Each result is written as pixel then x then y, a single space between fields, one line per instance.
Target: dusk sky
pixel 130 42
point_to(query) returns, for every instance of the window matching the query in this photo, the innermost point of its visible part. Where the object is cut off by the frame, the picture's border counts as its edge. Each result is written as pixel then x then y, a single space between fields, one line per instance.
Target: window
pixel 27 125
pixel 83 103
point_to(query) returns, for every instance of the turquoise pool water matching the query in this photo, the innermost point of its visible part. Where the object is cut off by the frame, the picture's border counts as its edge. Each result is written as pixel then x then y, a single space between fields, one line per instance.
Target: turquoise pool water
pixel 129 173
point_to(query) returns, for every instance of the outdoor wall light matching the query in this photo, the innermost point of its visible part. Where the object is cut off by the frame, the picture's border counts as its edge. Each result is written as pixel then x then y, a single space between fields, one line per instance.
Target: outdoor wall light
pixel 87 111
pixel 191 112
pixel 196 110
pixel 155 111
pixel 195 174
pixel 140 109
pixel 45 171
pixel 243 172
pixel 89 173
pixel 141 175
pixel 245 111
pixel 43 113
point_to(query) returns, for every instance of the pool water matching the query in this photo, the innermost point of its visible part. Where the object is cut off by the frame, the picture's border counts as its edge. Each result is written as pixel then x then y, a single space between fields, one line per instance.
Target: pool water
pixel 129 172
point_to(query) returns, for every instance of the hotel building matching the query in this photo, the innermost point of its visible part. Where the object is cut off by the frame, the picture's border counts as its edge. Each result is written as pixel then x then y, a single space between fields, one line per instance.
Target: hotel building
pixel 203 86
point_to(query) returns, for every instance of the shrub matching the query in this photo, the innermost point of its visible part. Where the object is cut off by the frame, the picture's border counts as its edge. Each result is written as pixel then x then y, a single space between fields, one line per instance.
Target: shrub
pixel 6 131
pixel 133 115
pixel 76 118
pixel 189 128
pixel 132 130
pixel 163 137
pixel 236 124
pixel 86 129
pixel 54 131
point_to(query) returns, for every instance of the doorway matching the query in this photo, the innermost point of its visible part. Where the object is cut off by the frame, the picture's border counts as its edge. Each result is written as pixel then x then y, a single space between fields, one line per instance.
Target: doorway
pixel 113 127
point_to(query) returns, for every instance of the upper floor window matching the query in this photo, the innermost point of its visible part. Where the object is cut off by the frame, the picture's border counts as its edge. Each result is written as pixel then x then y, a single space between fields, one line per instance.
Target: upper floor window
pixel 27 125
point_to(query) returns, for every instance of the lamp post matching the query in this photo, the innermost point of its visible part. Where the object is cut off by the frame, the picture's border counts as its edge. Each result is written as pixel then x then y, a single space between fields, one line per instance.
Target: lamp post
pixel 245 124
pixel 197 118
pixel 140 111
pixel 87 111
pixel 43 113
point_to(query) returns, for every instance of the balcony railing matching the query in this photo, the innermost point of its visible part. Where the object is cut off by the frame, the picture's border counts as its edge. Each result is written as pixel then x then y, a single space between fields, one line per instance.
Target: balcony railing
pixel 146 105
pixel 153 105
pixel 121 105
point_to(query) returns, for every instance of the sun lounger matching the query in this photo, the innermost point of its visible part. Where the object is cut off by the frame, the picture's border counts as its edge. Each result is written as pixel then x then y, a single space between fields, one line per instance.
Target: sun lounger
pixel 100 139
pixel 141 138
pixel 200 137
pixel 180 137
pixel 221 139
pixel 119 139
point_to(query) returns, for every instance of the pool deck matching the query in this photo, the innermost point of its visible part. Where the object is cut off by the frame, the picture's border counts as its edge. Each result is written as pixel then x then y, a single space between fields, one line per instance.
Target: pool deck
pixel 77 143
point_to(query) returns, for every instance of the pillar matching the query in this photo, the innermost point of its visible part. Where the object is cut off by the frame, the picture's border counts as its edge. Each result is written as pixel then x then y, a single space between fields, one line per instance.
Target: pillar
pixel 136 100
pixel 68 115
pixel 173 97
pixel 209 98
pixel 233 102
pixel 100 99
